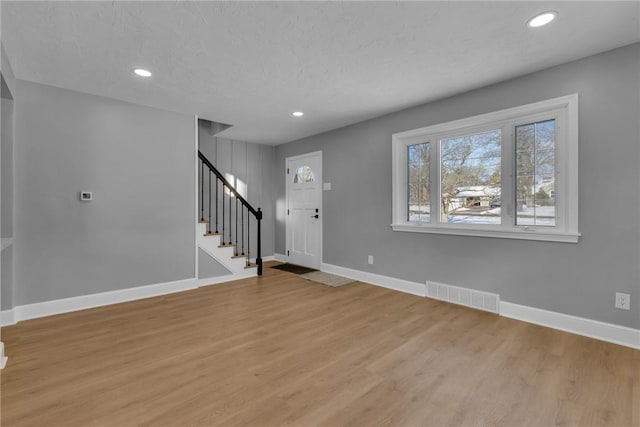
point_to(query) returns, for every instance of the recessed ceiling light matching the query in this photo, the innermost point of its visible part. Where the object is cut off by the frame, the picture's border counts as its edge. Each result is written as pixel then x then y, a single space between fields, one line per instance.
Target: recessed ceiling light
pixel 297 114
pixel 142 72
pixel 542 19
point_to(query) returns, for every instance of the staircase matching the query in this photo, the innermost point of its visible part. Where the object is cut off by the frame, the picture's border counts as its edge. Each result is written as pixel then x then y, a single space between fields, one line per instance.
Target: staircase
pixel 227 222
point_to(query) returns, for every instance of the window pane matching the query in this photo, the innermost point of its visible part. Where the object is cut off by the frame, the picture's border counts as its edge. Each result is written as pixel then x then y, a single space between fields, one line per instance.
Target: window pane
pixel 303 174
pixel 470 178
pixel 419 196
pixel 535 174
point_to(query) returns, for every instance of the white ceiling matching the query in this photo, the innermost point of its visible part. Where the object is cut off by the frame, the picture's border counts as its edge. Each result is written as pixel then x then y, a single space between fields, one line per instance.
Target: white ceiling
pixel 250 64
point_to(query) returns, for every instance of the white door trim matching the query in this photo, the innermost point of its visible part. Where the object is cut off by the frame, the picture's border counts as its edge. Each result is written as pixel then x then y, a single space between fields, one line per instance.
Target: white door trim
pixel 287 185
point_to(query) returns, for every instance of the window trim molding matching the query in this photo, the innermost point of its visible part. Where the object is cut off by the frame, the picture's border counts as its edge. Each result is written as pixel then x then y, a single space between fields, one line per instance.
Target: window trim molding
pixel 567 155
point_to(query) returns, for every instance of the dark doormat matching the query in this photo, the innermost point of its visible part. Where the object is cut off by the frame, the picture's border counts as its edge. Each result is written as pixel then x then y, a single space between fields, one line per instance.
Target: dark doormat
pixel 295 269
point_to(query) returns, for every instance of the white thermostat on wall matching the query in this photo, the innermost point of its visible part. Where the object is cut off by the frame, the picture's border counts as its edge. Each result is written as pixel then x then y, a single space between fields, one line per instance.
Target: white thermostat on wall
pixel 86 196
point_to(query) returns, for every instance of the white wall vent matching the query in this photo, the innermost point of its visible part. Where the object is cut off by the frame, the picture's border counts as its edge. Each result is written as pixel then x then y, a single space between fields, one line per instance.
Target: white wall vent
pixel 471 298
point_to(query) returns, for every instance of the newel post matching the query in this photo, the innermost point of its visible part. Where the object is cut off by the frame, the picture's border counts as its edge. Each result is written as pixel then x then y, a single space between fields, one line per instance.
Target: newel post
pixel 259 250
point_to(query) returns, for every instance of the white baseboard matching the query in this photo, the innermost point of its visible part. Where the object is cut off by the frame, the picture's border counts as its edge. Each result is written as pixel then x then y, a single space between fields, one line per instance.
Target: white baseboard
pixel 280 257
pixel 581 326
pixel 3 358
pixel 66 305
pixel 83 302
pixel 7 318
pixel 609 332
pixel 264 259
pixel 377 279
pixel 224 279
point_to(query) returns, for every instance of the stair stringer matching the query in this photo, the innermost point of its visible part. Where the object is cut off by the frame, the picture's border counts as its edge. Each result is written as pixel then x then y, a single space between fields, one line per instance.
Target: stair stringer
pixel 210 245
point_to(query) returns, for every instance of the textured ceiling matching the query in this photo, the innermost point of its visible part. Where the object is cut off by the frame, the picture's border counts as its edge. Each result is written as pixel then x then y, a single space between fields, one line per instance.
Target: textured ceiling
pixel 250 64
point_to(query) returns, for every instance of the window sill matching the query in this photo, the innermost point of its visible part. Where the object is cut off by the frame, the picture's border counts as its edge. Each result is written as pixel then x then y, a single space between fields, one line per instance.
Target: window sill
pixel 494 232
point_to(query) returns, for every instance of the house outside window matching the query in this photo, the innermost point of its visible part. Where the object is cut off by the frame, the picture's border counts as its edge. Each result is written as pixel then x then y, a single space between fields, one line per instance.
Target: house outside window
pixel 511 174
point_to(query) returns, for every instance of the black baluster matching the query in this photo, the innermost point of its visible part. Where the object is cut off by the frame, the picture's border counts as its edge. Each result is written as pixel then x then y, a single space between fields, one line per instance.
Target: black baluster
pixel 216 205
pixel 230 215
pixel 222 239
pixel 209 223
pixel 258 251
pixel 248 240
pixel 235 250
pixel 242 228
pixel 202 190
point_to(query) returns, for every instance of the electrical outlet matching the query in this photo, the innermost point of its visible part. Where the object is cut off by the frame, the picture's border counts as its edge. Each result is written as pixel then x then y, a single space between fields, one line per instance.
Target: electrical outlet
pixel 623 301
pixel 370 259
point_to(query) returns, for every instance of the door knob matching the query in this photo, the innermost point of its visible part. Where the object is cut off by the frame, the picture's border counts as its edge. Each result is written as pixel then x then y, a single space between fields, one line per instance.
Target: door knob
pixel 316 216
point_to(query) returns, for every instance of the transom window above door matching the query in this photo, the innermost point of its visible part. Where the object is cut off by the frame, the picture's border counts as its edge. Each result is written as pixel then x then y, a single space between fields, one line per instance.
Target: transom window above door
pixel 303 175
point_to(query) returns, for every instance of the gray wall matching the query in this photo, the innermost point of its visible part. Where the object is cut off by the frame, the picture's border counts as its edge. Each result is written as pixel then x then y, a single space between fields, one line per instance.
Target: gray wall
pixel 7 121
pixel 6 197
pixel 7 71
pixel 7 167
pixel 7 279
pixel 577 279
pixel 139 163
pixel 208 267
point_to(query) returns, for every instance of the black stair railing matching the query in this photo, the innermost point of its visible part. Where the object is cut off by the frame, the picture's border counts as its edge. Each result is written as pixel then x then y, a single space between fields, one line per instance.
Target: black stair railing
pixel 220 209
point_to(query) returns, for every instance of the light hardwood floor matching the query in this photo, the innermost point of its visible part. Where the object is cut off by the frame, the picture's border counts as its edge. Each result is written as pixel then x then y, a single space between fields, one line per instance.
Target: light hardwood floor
pixel 281 350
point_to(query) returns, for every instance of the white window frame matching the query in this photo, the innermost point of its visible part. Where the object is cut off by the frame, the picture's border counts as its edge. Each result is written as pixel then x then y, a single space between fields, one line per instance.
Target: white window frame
pixel 563 109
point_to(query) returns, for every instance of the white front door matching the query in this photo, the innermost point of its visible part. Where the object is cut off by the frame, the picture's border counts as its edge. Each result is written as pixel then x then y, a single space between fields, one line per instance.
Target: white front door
pixel 304 209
